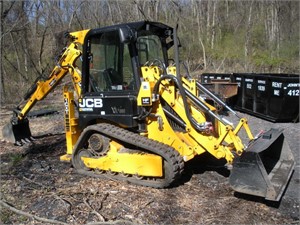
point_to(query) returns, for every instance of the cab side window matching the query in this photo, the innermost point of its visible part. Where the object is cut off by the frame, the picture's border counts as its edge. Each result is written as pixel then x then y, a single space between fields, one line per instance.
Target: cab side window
pixel 149 49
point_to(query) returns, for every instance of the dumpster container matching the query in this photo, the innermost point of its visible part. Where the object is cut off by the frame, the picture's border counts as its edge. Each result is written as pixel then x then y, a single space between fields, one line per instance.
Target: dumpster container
pixel 208 77
pixel 284 92
pixel 222 88
pixel 274 97
pixel 249 92
pixel 261 94
pixel 221 85
pixel 237 101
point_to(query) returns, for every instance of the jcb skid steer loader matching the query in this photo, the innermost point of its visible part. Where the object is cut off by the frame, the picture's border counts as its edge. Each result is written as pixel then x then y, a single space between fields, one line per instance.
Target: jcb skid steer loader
pixel 135 118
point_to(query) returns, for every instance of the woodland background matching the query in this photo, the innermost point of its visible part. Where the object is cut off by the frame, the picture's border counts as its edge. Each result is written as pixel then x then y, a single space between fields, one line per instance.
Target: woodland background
pixel 216 36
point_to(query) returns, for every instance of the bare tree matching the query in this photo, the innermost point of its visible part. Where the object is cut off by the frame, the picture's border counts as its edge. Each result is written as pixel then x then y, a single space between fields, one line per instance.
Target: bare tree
pixel 248 35
pixel 261 35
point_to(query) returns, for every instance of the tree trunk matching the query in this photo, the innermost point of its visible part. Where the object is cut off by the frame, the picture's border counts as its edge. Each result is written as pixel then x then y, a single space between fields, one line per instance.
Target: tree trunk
pixel 213 34
pixel 248 36
pixel 2 90
pixel 208 21
pixel 199 37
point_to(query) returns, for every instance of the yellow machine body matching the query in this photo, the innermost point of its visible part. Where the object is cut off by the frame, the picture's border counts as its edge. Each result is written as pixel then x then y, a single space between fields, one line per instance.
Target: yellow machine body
pixel 166 125
pixel 190 142
pixel 141 164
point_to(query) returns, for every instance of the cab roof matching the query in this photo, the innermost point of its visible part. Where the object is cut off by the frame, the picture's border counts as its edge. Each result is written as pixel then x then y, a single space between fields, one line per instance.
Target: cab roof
pixel 158 28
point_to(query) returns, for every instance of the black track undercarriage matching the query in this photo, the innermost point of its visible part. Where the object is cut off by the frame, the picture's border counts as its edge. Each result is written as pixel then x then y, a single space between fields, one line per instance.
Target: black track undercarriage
pixel 172 162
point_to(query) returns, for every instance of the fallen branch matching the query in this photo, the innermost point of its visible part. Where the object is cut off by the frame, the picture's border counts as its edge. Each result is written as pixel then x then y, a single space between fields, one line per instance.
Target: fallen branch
pixel 34 182
pixel 93 210
pixel 116 222
pixel 41 219
pixel 20 212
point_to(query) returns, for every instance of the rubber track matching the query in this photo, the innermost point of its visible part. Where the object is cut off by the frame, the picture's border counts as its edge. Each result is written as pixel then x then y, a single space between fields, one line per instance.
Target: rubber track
pixel 172 160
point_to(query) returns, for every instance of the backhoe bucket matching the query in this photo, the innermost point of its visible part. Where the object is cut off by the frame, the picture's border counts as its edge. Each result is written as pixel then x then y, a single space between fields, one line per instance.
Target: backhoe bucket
pixel 265 167
pixel 18 133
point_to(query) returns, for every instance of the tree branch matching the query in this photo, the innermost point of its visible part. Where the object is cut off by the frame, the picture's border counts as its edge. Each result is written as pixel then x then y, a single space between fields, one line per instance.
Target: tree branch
pixel 41 219
pixel 20 212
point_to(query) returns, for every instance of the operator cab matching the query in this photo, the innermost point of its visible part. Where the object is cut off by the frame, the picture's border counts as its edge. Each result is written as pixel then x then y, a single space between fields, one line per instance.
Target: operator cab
pixel 111 70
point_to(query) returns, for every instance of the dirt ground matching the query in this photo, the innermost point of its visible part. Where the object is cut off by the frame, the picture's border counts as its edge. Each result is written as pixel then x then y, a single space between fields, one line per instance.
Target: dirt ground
pixel 33 180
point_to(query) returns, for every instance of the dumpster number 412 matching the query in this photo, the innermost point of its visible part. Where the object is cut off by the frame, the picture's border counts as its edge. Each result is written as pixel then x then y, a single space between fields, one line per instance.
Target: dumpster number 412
pixel 293 93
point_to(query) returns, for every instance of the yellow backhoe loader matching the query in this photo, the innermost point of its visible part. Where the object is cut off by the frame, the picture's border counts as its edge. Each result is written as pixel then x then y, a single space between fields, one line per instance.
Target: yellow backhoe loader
pixel 134 117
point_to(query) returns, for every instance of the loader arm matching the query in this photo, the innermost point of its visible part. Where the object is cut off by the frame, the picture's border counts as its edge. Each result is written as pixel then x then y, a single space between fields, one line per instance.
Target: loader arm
pixel 184 121
pixel 200 134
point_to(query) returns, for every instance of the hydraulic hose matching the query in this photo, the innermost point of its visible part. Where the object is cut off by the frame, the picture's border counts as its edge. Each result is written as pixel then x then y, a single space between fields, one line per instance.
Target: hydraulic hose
pixel 215 98
pixel 204 107
pixel 182 91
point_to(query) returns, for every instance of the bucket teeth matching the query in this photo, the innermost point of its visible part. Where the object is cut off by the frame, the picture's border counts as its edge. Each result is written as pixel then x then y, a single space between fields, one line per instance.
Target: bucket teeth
pixel 18 143
pixel 25 141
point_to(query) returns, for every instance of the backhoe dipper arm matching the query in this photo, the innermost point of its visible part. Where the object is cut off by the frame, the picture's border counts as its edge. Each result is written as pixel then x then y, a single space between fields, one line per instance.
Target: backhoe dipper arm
pixel 18 131
pixel 65 65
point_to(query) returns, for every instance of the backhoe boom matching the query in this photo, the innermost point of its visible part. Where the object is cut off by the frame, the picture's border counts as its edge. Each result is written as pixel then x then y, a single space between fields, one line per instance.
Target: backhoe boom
pixel 66 64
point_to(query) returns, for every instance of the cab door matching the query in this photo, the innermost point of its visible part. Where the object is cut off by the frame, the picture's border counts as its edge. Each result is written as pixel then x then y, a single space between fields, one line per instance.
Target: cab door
pixel 110 89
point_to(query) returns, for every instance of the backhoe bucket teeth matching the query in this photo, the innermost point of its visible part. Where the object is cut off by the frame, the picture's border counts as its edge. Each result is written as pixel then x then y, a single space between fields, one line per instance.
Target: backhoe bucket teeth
pixel 264 168
pixel 17 133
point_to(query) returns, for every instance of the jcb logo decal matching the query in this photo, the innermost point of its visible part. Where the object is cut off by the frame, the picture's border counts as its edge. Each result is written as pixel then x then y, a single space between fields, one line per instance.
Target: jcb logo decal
pixel 90 103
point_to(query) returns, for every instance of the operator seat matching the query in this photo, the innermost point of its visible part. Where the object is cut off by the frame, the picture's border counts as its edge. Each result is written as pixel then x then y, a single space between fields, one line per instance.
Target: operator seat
pixel 112 78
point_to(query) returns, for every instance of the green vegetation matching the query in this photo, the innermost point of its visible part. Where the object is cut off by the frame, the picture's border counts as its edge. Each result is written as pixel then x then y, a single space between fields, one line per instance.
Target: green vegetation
pixel 15 158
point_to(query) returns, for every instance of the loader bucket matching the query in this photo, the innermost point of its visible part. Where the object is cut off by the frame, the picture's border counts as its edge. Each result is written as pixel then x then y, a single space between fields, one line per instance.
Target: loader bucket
pixel 17 133
pixel 264 168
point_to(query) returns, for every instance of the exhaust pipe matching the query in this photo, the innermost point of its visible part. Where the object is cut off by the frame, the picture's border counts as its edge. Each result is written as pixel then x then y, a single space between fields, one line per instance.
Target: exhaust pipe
pixel 265 167
pixel 17 132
